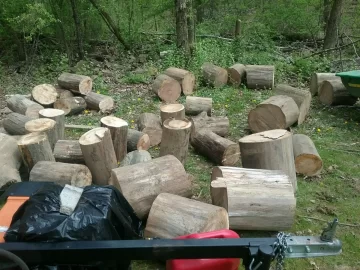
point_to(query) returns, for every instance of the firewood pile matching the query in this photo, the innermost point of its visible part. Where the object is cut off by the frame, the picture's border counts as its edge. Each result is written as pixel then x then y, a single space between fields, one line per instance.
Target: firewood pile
pixel 260 195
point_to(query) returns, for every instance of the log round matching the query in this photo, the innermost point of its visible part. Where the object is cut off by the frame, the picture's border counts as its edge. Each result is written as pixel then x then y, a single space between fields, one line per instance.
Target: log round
pixel 14 124
pixel 61 173
pixel 19 104
pixel 176 111
pixel 76 83
pixel 334 93
pixel 71 106
pixel 44 94
pixel 307 159
pixel 196 105
pixel 172 216
pixel 184 77
pixel 167 89
pixel 317 79
pixel 260 77
pixel 68 151
pixel 35 147
pixel 271 150
pixel 141 183
pixel 48 126
pixel 99 102
pixel 236 74
pixel 150 124
pixel 214 75
pixel 217 124
pixel 59 117
pixel 99 155
pixel 137 140
pixel 175 138
pixel 135 157
pixel 10 160
pixel 277 112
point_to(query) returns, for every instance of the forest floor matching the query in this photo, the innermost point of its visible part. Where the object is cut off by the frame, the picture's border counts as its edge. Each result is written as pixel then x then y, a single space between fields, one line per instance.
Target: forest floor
pixel 334 130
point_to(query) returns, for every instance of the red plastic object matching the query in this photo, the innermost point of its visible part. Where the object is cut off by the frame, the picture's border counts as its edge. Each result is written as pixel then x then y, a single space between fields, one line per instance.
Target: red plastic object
pixel 206 264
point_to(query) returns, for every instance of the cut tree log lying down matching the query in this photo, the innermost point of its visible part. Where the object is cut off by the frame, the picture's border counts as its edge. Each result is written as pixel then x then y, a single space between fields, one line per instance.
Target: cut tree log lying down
pixel 217 124
pixel 214 75
pixel 14 124
pixel 68 151
pixel 76 83
pixel 150 124
pixel 71 106
pixel 137 140
pixel 10 160
pixel 333 93
pixel 184 77
pixel 236 74
pixel 176 111
pixel 167 88
pixel 260 77
pixel 317 79
pixel 99 102
pixel 196 105
pixel 20 104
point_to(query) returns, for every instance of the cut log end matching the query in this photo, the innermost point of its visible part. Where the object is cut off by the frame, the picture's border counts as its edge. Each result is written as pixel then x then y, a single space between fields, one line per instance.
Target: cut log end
pixel 308 164
pixel 184 77
pixel 40 125
pixel 50 113
pixel 93 136
pixel 74 82
pixel 236 74
pixel 144 142
pixel 171 108
pixel 113 121
pixel 177 124
pixel 266 117
pixel 231 155
pixel 168 89
pixel 32 138
pixel 45 94
pixel 333 92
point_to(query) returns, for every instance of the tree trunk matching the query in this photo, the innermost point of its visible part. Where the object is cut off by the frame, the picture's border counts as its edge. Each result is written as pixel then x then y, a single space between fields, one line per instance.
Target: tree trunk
pixel 326 13
pixel 142 182
pixel 217 124
pixel 150 124
pixel 196 105
pixel 44 94
pixel 277 112
pixel 236 74
pixel 78 84
pixel 47 126
pixel 137 140
pixel 71 106
pixel 61 173
pixel 184 77
pixel 21 104
pixel 271 150
pixel 99 102
pixel 307 159
pixel 14 124
pixel 334 93
pixel 10 160
pixel 260 77
pixel 59 117
pixel 99 155
pixel 176 111
pixel 172 216
pixel 333 24
pixel 214 75
pixel 68 151
pixel 191 26
pixel 182 40
pixel 135 157
pixel 166 88
pixel 77 25
pixel 318 78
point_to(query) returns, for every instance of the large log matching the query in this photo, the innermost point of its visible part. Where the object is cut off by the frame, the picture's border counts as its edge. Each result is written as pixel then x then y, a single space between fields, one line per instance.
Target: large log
pixel 218 149
pixel 48 126
pixel 307 159
pixel 184 77
pixel 99 154
pixel 35 147
pixel 135 157
pixel 196 105
pixel 217 124
pixel 236 74
pixel 59 117
pixel 71 106
pixel 44 94
pixel 99 102
pixel 214 75
pixel 175 138
pixel 76 83
pixel 20 104
pixel 260 77
pixel 137 140
pixel 14 124
pixel 141 183
pixel 61 173
pixel 301 97
pixel 277 112
pixel 68 151
pixel 176 111
pixel 172 216
pixel 10 160
pixel 271 150
pixel 167 89
pixel 150 124
pixel 119 132
pixel 317 79
pixel 333 93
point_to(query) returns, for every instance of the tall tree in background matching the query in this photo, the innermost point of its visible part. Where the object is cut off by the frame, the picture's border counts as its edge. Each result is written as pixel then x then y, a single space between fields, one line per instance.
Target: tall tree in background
pixel 79 41
pixel 182 39
pixel 333 23
pixel 326 13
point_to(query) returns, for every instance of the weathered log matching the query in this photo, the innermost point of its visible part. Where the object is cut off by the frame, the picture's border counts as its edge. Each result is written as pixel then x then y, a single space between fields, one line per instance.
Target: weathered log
pixel 176 111
pixel 63 93
pixel 317 79
pixel 135 157
pixel 59 117
pixel 172 216
pixel 48 126
pixel 61 173
pixel 196 105
pixel 218 149
pixel 35 147
pixel 141 183
pixel 307 159
pixel 44 94
pixel 277 112
pixel 99 154
pixel 236 74
pixel 175 138
pixel 137 140
pixel 301 97
pixel 271 150
pixel 14 124
pixel 260 77
pixel 150 124
pixel 71 106
pixel 167 89
pixel 184 77
pixel 333 93
pixel 10 160
pixel 76 83
pixel 99 102
pixel 119 132
pixel 20 104
pixel 214 75
pixel 217 124
pixel 68 151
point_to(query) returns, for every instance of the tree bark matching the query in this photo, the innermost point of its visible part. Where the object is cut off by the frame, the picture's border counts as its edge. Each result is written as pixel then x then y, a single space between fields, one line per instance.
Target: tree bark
pixel 184 77
pixel 20 104
pixel 196 105
pixel 236 74
pixel 318 78
pixel 68 151
pixel 150 124
pixel 99 102
pixel 44 94
pixel 78 84
pixel 10 160
pixel 333 93
pixel 333 23
pixel 182 40
pixel 326 13
pixel 166 88
pixel 77 25
pixel 71 106
pixel 63 93
pixel 214 76
pixel 135 157
pixel 59 117
pixel 260 77
pixel 47 126
pixel 137 140
pixel 191 26
pixel 14 124
pixel 176 111
pixel 217 124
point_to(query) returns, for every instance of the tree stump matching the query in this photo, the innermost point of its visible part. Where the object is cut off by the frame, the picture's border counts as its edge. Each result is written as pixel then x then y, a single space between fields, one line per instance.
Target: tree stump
pixel 71 106
pixel 260 77
pixel 317 79
pixel 44 94
pixel 137 140
pixel 277 112
pixel 196 105
pixel 176 111
pixel 214 76
pixel 135 157
pixel 218 149
pixel 78 84
pixel 35 147
pixel 167 89
pixel 302 98
pixel 119 132
pixel 14 124
pixel 59 117
pixel 184 77
pixel 68 151
pixel 172 216
pixel 217 124
pixel 99 102
pixel 236 74
pixel 175 138
pixel 48 126
pixel 150 124
pixel 10 160
pixel 141 183
pixel 307 159
pixel 271 150
pixel 334 93
pixel 99 155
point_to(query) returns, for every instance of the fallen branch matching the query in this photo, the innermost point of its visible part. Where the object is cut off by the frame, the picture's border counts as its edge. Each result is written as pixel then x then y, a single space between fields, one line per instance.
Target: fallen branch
pixel 332 49
pixel 200 36
pixel 323 220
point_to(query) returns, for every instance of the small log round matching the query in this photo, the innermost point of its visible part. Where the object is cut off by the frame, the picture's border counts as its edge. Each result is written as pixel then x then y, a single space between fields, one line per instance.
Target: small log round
pixel 150 124
pixel 44 94
pixel 176 111
pixel 218 124
pixel 334 93
pixel 76 83
pixel 14 124
pixel 99 155
pixel 59 117
pixel 48 126
pixel 260 77
pixel 196 105
pixel 135 157
pixel 10 160
pixel 20 104
pixel 236 74
pixel 214 75
pixel 68 151
pixel 137 140
pixel 71 106
pixel 167 89
pixel 175 138
pixel 184 77
pixel 317 79
pixel 99 102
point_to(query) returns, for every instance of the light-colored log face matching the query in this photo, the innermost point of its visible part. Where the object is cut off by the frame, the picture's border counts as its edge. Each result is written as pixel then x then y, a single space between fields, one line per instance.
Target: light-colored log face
pixel 266 117
pixel 45 94
pixel 75 82
pixel 170 108
pixel 93 136
pixel 177 124
pixel 231 155
pixel 113 121
pixel 266 136
pixel 51 112
pixel 333 92
pixel 39 125
pixel 32 138
pixel 318 78
pixel 308 164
